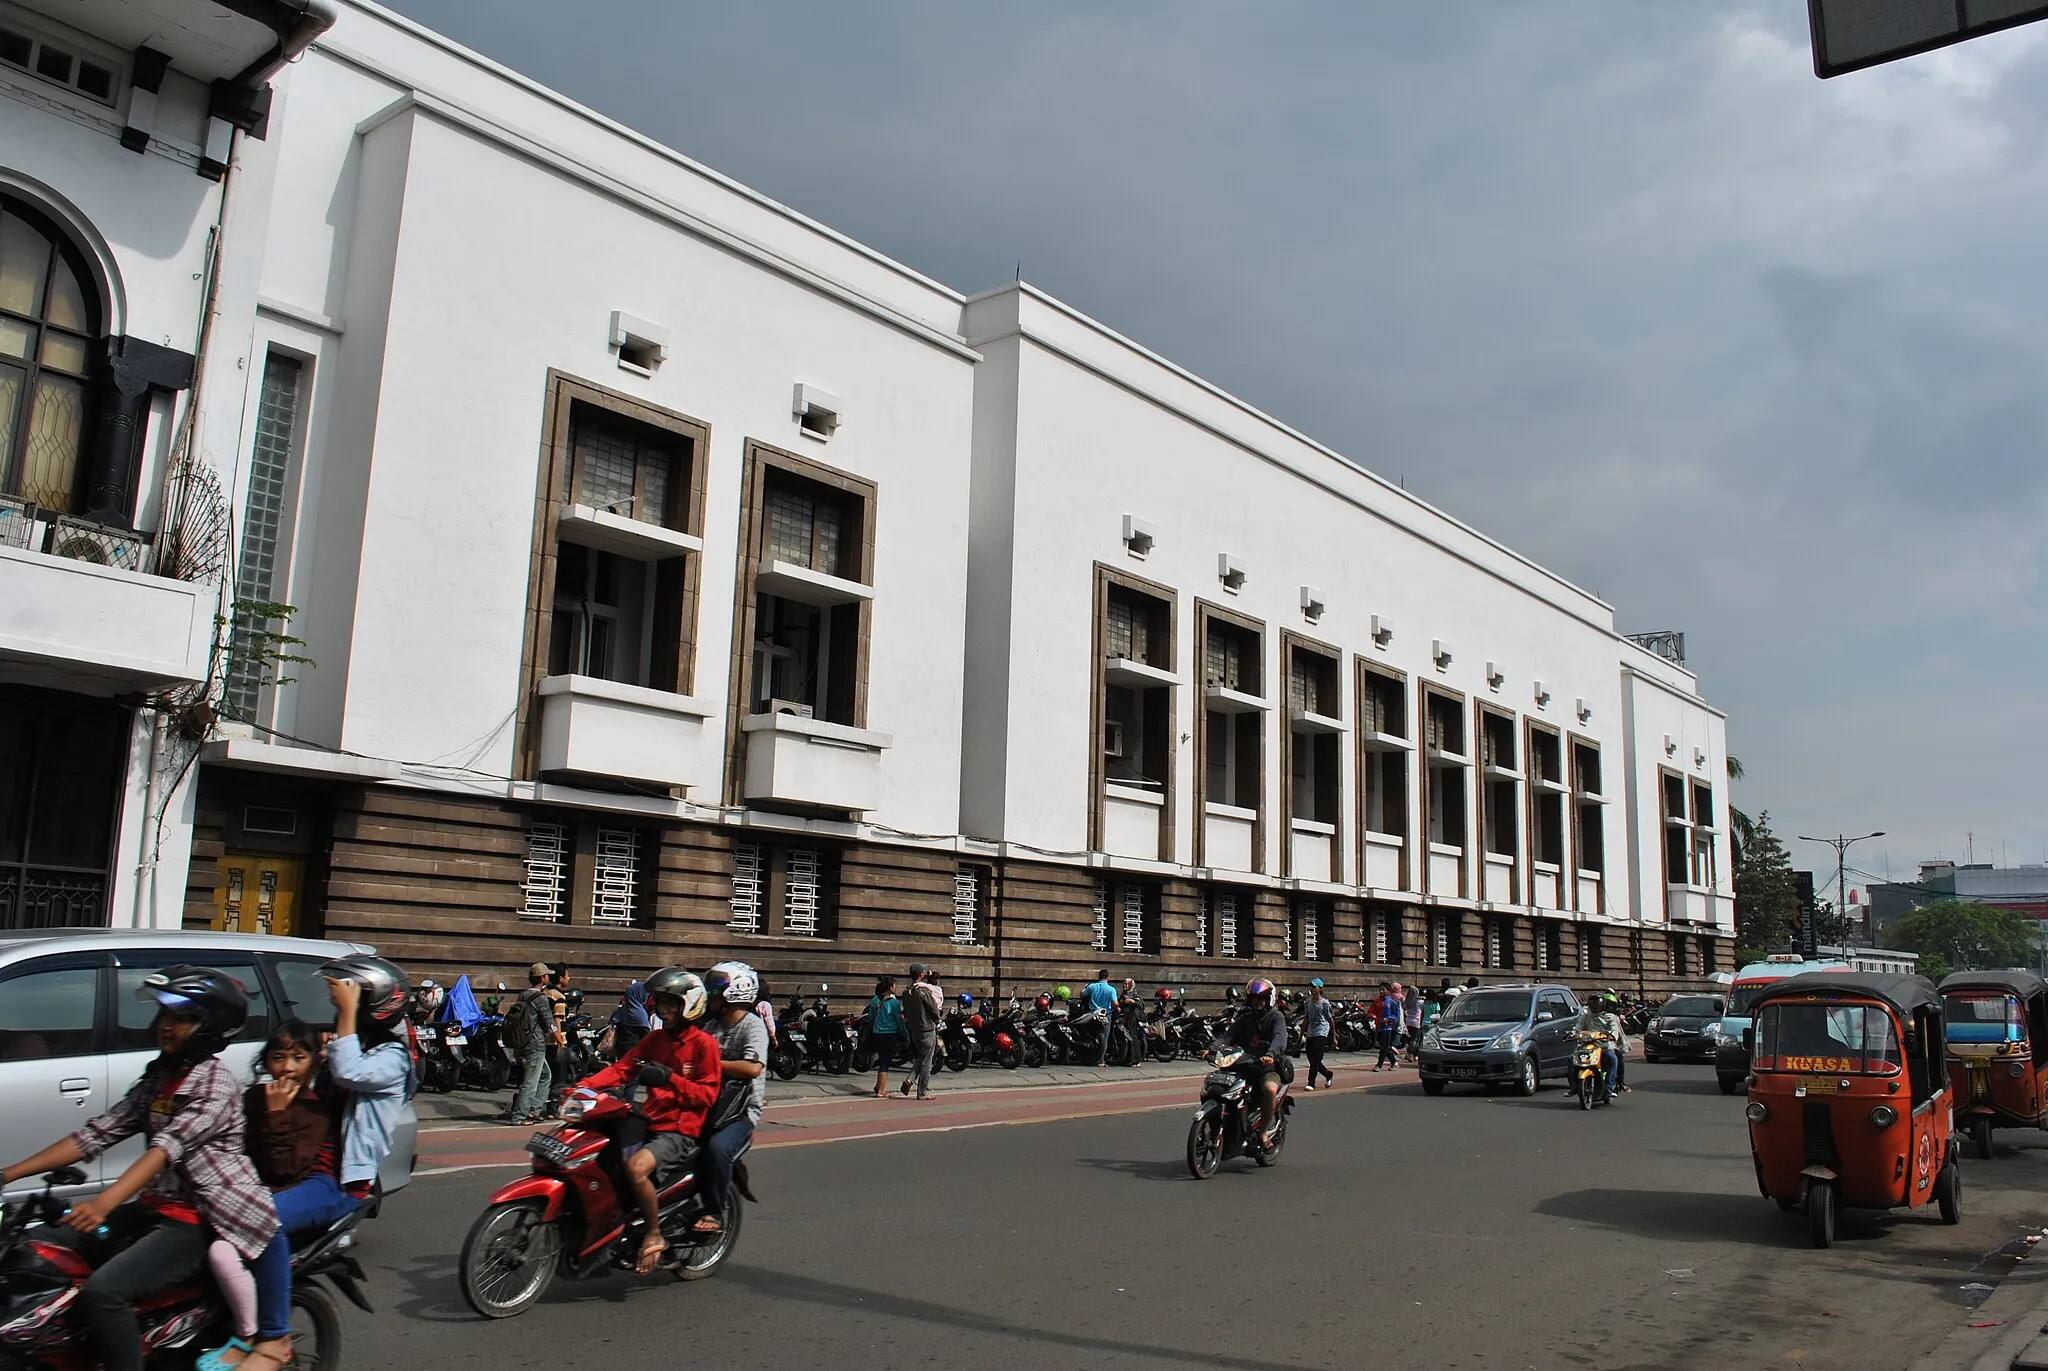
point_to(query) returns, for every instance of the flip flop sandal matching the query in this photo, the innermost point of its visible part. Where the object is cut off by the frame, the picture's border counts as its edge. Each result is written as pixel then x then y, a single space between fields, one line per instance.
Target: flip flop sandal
pixel 216 1360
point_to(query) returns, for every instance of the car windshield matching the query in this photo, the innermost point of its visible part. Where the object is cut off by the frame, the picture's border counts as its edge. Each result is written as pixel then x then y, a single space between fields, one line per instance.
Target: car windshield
pixel 1691 1007
pixel 1744 996
pixel 1833 1039
pixel 1488 1006
pixel 1982 1017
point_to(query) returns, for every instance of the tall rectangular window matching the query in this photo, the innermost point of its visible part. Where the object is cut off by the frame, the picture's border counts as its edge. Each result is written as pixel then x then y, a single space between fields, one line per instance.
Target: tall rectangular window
pixel 1444 736
pixel 1589 801
pixel 548 858
pixel 256 578
pixel 784 889
pixel 1677 831
pixel 1220 923
pixel 1547 791
pixel 1314 767
pixel 1127 916
pixel 970 904
pixel 1702 835
pixel 1383 763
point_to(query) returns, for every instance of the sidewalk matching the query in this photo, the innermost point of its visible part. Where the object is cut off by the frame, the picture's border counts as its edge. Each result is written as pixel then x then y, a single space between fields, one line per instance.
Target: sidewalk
pixel 474 1106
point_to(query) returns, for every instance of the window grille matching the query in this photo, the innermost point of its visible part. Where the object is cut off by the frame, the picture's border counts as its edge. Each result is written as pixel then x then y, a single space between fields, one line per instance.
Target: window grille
pixel 1585 950
pixel 1287 939
pixel 746 888
pixel 1100 942
pixel 1381 949
pixel 1439 940
pixel 615 886
pixel 1226 927
pixel 801 892
pixel 1134 918
pixel 967 905
pixel 1202 927
pixel 1305 915
pixel 263 513
pixel 547 871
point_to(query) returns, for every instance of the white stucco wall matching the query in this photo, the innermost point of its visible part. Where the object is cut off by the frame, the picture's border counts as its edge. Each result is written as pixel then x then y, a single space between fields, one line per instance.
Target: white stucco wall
pixel 1102 431
pixel 416 518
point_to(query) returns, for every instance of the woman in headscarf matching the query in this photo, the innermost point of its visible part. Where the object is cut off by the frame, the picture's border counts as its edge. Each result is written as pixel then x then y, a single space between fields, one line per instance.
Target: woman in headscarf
pixel 629 1021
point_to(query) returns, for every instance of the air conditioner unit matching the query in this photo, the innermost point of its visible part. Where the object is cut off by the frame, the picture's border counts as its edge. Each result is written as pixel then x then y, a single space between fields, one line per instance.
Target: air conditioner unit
pixel 84 541
pixel 1113 739
pixel 796 707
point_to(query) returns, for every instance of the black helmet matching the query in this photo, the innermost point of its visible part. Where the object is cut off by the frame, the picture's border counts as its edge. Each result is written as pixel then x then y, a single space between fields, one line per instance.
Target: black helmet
pixel 674 983
pixel 384 985
pixel 212 997
pixel 573 997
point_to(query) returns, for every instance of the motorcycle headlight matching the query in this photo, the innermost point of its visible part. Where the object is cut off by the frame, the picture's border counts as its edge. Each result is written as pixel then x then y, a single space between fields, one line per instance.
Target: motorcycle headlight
pixel 1506 1042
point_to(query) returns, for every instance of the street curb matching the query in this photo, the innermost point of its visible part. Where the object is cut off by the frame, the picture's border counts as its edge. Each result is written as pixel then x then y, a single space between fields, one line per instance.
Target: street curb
pixel 2020 1304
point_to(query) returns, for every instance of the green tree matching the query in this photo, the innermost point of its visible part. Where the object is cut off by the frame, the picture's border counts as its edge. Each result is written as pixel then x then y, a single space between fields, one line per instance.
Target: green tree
pixel 1742 827
pixel 1834 929
pixel 1766 896
pixel 1965 936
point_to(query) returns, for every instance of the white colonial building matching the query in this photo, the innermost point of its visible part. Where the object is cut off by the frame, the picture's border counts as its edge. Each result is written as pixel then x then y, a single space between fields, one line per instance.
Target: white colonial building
pixel 675 574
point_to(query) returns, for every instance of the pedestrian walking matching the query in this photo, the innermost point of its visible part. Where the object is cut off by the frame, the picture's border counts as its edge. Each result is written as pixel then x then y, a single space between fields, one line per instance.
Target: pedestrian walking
pixel 1317 1018
pixel 558 1027
pixel 1388 1012
pixel 528 1029
pixel 1411 1014
pixel 921 1015
pixel 885 1030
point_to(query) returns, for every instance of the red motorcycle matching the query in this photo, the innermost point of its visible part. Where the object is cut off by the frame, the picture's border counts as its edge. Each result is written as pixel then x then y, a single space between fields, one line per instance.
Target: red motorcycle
pixel 40 1281
pixel 568 1217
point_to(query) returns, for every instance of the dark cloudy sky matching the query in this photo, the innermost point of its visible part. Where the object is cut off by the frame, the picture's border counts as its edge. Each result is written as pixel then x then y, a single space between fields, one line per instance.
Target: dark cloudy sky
pixel 1753 355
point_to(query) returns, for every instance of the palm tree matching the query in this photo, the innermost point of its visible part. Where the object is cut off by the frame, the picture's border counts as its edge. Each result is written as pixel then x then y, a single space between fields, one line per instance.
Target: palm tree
pixel 1742 828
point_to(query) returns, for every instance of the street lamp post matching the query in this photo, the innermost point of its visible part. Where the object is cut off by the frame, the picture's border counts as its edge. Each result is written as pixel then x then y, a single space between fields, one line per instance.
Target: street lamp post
pixel 1841 846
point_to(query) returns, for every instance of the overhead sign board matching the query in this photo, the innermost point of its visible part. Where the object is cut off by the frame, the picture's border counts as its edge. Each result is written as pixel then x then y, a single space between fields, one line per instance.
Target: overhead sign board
pixel 1849 35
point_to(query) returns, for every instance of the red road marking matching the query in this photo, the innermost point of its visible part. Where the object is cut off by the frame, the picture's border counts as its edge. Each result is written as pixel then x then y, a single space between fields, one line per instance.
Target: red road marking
pixel 847 1119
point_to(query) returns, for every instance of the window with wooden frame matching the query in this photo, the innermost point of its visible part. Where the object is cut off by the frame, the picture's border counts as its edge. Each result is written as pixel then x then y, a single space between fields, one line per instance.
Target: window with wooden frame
pixel 1314 737
pixel 1547 791
pixel 1384 745
pixel 1589 805
pixel 580 870
pixel 1444 739
pixel 1233 708
pixel 1677 829
pixel 781 889
pixel 1134 677
pixel 1702 875
pixel 618 526
pixel 1501 781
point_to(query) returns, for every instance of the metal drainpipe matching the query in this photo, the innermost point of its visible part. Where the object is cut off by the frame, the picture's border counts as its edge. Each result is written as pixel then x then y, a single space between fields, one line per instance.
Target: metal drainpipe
pixel 145 865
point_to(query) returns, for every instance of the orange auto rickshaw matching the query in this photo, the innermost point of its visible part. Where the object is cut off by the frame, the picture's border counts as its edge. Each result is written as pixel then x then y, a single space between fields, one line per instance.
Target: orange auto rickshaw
pixel 1849 1098
pixel 1997 1025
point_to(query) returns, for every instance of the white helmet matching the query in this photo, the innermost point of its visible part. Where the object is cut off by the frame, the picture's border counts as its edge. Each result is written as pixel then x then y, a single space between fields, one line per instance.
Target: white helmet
pixel 674 983
pixel 735 983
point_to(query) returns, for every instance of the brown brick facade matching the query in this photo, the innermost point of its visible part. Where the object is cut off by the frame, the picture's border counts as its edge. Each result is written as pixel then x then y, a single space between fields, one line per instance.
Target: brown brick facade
pixel 436 882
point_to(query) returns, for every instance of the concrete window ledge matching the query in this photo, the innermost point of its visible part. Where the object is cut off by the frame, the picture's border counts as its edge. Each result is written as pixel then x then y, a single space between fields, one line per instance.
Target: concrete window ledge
pixel 813 764
pixel 594 727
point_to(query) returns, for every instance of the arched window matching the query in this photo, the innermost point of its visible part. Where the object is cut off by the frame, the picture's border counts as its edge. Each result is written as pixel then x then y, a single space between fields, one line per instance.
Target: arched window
pixel 49 317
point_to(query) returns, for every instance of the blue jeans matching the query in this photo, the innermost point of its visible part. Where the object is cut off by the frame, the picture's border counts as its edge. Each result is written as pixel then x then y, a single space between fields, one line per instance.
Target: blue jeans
pixel 308 1207
pixel 721 1151
pixel 1612 1060
pixel 536 1084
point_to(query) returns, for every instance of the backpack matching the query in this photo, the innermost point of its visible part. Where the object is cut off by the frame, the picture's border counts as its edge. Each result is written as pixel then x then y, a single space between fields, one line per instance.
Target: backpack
pixel 517 1028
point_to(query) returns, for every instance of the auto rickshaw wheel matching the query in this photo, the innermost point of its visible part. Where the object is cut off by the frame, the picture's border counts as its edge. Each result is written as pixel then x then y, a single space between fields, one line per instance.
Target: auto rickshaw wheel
pixel 1980 1135
pixel 1948 1193
pixel 1786 1202
pixel 1820 1212
pixel 1728 1084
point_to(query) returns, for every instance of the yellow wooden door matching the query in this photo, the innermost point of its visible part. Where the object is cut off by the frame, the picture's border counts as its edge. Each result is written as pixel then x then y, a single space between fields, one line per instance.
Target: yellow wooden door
pixel 258 894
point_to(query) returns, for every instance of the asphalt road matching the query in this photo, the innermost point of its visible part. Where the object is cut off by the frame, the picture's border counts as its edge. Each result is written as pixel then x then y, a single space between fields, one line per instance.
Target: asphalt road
pixel 1469 1230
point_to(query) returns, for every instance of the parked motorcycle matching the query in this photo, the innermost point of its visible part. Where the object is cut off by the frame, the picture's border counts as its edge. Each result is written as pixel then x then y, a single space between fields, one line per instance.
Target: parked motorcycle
pixel 1224 1127
pixel 486 1063
pixel 441 1048
pixel 566 1218
pixel 1002 1036
pixel 828 1040
pixel 1589 1069
pixel 580 1033
pixel 41 1280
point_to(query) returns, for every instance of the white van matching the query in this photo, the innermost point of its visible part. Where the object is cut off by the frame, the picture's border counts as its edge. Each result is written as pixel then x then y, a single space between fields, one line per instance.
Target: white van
pixel 74 1038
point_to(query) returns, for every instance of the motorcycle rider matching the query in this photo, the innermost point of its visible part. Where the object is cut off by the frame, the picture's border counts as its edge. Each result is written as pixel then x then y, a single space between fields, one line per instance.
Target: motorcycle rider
pixel 1261 1030
pixel 743 1056
pixel 676 1108
pixel 193 1176
pixel 1602 1016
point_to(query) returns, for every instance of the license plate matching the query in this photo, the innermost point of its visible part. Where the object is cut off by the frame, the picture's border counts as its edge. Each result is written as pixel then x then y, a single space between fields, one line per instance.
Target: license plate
pixel 548 1148
pixel 1820 1085
pixel 455 1040
pixel 1464 1071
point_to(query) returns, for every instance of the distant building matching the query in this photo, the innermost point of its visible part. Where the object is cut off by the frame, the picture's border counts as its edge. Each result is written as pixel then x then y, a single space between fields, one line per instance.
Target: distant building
pixel 1879 959
pixel 2022 889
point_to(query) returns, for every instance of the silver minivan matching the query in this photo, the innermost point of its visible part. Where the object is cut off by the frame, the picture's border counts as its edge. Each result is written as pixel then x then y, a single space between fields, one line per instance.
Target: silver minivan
pixel 74 1037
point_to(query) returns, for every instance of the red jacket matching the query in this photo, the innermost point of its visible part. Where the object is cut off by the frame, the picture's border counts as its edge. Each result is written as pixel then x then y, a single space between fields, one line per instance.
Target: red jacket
pixel 679 1106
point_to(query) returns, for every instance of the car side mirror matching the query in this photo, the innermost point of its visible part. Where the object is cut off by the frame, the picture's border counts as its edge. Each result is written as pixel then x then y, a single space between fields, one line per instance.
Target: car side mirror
pixel 1545 1017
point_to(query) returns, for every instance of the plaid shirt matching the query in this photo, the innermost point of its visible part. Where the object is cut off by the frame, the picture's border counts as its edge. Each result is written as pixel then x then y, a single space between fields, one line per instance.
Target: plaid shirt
pixel 200 1129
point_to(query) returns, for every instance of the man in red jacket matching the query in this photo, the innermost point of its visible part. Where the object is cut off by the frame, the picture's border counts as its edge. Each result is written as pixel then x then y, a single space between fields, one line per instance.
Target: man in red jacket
pixel 676 1107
